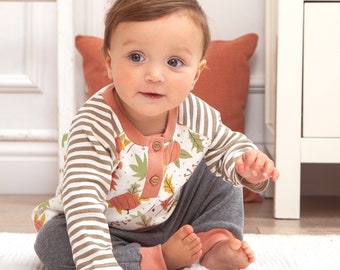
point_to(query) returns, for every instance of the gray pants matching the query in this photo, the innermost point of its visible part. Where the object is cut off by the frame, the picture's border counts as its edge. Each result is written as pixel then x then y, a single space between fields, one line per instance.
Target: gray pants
pixel 206 203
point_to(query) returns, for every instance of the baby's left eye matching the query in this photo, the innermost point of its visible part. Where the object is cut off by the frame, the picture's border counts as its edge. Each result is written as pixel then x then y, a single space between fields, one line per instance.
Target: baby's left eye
pixel 175 62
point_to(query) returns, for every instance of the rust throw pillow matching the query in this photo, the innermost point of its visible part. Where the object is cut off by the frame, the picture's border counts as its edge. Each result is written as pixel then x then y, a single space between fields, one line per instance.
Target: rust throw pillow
pixel 94 68
pixel 224 84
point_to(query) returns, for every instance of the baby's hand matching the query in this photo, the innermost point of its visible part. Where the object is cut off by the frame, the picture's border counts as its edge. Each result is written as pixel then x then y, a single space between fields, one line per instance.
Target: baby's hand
pixel 255 167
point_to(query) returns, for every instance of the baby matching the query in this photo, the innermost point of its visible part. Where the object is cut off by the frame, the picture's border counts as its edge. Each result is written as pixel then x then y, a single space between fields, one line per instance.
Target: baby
pixel 152 176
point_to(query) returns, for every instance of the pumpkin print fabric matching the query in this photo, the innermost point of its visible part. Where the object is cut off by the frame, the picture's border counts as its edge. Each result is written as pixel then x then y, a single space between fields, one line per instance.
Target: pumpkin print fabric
pixel 129 201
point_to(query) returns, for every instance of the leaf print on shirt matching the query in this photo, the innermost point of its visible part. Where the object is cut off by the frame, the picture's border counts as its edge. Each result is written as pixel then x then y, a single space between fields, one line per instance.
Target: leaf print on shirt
pixel 64 139
pixel 115 177
pixel 44 205
pixel 197 142
pixel 167 203
pixel 134 188
pixel 63 146
pixel 39 221
pixel 168 186
pixel 141 168
pixel 123 142
pixel 183 155
pixel 144 222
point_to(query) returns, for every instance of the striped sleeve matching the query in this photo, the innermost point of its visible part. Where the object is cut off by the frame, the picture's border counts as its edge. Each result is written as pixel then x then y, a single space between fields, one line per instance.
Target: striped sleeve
pixel 87 178
pixel 226 145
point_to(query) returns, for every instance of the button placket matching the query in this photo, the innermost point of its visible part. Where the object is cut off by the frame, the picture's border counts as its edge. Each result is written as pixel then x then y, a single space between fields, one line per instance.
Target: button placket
pixel 154 176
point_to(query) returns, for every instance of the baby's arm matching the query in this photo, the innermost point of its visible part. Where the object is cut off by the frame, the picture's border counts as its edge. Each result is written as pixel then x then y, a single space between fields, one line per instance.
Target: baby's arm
pixel 256 167
pixel 86 183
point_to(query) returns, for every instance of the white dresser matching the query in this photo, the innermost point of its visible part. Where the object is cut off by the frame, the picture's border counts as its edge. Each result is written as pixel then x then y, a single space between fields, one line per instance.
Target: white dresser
pixel 302 92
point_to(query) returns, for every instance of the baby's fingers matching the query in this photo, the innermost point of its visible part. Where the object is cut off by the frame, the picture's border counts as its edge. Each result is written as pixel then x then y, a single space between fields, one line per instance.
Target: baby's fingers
pixel 275 175
pixel 269 170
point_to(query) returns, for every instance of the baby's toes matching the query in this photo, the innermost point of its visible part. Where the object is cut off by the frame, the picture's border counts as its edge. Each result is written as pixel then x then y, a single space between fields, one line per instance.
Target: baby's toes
pixel 248 251
pixel 196 246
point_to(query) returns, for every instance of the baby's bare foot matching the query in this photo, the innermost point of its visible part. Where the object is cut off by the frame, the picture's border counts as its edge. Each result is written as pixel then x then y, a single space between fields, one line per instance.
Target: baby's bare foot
pixel 229 254
pixel 182 249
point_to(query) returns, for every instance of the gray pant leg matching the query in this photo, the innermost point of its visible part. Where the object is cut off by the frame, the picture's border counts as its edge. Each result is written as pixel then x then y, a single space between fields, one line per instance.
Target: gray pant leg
pixel 52 245
pixel 53 248
pixel 208 202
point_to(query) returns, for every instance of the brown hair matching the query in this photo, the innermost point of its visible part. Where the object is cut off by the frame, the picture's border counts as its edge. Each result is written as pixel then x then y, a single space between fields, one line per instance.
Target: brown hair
pixel 147 10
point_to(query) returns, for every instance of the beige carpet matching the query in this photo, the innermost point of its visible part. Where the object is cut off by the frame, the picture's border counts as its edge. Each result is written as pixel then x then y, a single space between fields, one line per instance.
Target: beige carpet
pixel 273 252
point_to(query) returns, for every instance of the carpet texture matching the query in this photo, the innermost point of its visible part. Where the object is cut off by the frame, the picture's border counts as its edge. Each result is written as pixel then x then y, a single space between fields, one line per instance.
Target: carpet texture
pixel 273 252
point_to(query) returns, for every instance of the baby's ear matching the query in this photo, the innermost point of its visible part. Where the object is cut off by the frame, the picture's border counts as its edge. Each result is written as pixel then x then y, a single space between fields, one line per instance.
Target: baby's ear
pixel 108 65
pixel 202 65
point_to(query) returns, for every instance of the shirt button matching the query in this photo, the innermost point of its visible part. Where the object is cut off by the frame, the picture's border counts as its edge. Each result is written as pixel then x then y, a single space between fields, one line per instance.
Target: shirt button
pixel 154 180
pixel 156 146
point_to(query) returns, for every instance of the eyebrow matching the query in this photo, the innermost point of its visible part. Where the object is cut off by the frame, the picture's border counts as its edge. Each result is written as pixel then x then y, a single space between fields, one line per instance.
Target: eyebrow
pixel 185 49
pixel 128 42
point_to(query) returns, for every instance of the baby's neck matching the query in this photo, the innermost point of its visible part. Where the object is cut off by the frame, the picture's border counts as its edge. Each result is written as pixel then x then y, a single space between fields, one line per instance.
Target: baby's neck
pixel 152 126
pixel 147 126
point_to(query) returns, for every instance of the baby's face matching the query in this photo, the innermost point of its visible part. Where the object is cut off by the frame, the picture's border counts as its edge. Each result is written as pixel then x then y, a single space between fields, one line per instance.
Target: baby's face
pixel 155 64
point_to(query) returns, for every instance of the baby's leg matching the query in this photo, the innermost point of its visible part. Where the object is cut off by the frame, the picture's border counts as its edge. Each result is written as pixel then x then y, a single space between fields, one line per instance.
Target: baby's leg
pixel 52 245
pixel 182 249
pixel 217 212
pixel 227 253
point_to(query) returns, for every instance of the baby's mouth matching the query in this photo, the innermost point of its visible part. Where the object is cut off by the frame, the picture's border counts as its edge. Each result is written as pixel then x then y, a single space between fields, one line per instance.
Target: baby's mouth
pixel 152 95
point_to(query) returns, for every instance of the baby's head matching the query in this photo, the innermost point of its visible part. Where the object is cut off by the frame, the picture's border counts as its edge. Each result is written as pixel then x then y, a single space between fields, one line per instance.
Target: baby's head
pixel 148 10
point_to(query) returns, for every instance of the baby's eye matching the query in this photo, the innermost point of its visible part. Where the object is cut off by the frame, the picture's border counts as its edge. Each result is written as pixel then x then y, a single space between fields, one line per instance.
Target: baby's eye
pixel 175 62
pixel 136 57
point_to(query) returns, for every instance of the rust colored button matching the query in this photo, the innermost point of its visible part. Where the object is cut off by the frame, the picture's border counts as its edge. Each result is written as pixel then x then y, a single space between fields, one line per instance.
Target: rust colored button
pixel 156 146
pixel 154 180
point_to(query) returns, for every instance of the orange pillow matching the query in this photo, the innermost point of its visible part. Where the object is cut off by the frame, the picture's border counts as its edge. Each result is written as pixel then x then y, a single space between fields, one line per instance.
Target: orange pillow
pixel 224 84
pixel 94 68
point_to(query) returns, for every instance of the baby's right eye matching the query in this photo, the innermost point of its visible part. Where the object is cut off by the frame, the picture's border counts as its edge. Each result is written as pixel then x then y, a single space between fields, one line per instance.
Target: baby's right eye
pixel 136 57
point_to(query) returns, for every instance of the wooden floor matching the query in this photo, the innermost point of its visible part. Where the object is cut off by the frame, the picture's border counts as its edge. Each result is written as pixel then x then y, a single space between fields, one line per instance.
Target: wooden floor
pixel 319 215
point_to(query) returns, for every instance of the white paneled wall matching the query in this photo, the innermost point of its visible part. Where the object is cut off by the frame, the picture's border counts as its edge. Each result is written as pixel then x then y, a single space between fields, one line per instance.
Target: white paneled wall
pixel 28 94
